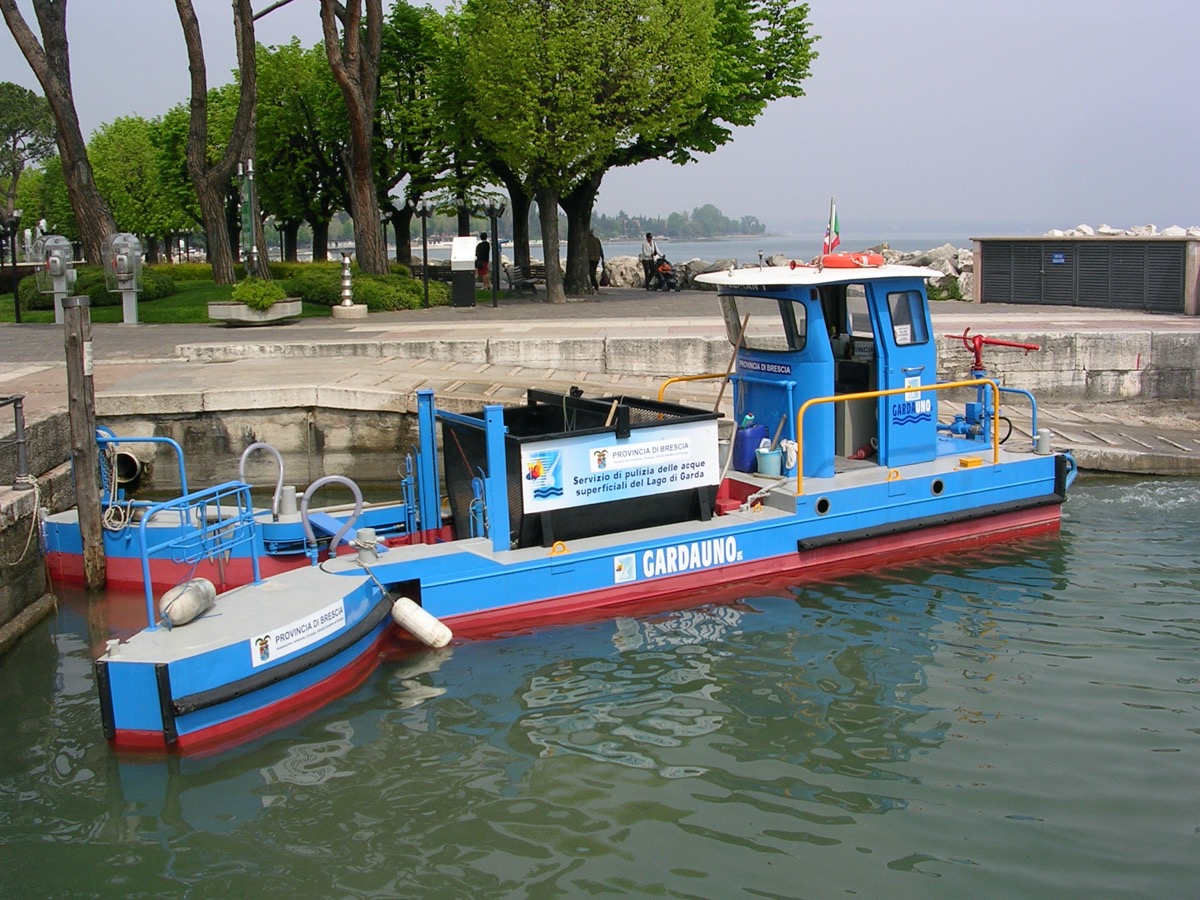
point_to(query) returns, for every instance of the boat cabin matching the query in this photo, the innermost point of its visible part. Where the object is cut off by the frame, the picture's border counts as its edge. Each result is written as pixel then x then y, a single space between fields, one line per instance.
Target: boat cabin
pixel 823 334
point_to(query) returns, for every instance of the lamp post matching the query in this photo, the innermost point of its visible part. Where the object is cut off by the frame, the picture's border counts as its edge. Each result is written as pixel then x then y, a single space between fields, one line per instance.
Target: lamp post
pixel 10 231
pixel 423 211
pixel 495 211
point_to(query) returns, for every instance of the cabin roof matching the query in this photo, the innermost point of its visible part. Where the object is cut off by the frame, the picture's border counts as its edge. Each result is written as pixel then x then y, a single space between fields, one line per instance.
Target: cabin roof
pixel 804 275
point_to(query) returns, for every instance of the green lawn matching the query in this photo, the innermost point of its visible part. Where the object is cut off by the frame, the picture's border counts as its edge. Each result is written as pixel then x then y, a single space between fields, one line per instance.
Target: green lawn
pixel 189 303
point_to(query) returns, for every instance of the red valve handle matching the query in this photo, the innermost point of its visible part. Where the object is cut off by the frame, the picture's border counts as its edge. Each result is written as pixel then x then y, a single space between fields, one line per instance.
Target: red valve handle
pixel 975 344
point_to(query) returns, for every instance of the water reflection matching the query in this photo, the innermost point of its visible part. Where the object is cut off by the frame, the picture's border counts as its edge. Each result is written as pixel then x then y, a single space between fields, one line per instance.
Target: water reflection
pixel 1013 721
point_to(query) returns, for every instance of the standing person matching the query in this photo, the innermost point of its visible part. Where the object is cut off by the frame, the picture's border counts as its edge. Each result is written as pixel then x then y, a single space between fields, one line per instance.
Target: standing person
pixel 483 254
pixel 649 252
pixel 595 257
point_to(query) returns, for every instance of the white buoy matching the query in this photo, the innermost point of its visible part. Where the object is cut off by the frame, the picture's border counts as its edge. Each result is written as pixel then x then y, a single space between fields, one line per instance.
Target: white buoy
pixel 185 602
pixel 427 629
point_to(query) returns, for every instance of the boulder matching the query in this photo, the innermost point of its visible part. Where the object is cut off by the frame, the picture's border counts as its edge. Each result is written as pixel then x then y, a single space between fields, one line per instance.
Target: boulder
pixel 625 271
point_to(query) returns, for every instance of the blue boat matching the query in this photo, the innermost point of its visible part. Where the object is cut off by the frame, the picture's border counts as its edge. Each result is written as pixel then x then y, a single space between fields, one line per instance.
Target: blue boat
pixel 570 506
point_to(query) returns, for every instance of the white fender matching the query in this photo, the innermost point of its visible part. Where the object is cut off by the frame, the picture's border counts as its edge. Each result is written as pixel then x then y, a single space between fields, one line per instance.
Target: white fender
pixel 187 601
pixel 426 628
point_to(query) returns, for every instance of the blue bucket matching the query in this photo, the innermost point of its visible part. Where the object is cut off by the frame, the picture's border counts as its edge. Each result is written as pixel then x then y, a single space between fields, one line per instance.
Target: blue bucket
pixel 770 462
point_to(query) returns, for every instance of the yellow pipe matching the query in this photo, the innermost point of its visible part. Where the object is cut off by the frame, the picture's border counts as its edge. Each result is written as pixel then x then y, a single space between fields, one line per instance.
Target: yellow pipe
pixel 868 395
pixel 670 381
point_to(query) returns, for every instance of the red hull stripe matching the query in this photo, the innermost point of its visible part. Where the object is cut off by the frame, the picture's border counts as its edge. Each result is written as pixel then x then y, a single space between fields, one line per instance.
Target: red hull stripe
pixel 821 562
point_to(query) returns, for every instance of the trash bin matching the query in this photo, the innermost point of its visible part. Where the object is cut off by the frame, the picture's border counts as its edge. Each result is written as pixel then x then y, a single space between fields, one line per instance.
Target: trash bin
pixel 462 271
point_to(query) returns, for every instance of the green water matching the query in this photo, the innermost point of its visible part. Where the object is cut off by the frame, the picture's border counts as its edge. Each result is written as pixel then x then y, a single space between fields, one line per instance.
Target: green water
pixel 1019 722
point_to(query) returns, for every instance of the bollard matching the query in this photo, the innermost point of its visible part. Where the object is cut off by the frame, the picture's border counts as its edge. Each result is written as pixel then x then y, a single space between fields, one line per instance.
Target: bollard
pixel 347 282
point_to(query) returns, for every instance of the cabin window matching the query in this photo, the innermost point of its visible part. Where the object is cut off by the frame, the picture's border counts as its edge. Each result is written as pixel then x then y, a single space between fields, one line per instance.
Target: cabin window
pixel 858 324
pixel 908 318
pixel 775 324
pixel 858 317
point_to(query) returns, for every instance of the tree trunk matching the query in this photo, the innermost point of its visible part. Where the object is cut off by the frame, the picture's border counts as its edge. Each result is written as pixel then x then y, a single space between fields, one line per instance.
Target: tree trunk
pixel 355 66
pixel 212 182
pixel 320 245
pixel 547 201
pixel 52 68
pixel 518 203
pixel 578 206
pixel 289 230
pixel 402 223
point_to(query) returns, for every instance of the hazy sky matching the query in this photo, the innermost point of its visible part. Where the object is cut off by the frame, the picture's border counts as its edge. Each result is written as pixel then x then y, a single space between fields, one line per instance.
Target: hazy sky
pixel 1017 114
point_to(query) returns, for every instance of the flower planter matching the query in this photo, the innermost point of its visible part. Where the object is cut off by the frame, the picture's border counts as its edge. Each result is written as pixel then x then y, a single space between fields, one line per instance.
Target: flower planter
pixel 233 313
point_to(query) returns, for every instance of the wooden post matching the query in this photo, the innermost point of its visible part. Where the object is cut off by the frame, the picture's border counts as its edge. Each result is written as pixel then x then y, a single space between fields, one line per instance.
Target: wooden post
pixel 81 404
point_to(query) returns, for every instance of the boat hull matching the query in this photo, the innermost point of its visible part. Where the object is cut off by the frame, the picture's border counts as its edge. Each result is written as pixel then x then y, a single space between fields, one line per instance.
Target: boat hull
pixel 873 550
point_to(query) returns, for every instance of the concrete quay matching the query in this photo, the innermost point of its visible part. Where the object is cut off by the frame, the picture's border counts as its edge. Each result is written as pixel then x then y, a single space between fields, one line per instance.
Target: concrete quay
pixel 1117 387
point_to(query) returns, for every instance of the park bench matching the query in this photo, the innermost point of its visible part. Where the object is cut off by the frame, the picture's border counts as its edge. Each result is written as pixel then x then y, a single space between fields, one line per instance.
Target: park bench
pixel 436 273
pixel 520 281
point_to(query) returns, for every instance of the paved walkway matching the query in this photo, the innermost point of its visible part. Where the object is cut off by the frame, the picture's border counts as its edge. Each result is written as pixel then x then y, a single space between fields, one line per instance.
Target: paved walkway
pixel 393 353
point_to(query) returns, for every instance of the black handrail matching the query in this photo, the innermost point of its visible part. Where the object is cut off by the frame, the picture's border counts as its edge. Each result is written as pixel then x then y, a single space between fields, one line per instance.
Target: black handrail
pixel 24 481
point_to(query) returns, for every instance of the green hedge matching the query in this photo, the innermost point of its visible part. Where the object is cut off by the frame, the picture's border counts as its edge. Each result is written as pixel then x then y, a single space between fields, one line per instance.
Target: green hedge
pixel 89 281
pixel 192 271
pixel 379 292
pixel 258 294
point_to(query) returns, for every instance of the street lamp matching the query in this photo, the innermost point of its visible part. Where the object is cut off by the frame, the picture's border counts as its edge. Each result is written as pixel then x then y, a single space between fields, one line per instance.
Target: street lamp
pixel 10 231
pixel 494 212
pixel 423 211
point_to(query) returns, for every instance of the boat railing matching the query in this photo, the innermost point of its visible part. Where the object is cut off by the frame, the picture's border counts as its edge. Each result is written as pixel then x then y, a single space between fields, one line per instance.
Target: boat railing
pixel 681 378
pixel 891 392
pixel 105 440
pixel 219 519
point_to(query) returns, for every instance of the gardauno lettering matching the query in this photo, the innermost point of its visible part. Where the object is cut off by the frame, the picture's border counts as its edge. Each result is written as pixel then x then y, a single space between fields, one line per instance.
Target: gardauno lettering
pixel 692 555
pixel 912 411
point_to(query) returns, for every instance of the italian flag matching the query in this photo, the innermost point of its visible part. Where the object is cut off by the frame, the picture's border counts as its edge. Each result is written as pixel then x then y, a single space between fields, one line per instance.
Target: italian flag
pixel 832 237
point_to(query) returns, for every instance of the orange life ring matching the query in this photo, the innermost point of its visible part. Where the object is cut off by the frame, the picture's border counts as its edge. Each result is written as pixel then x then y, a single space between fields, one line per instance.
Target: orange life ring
pixel 851 260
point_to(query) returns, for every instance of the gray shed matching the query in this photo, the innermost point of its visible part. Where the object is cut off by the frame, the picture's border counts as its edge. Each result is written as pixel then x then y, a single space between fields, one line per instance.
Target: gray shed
pixel 1145 273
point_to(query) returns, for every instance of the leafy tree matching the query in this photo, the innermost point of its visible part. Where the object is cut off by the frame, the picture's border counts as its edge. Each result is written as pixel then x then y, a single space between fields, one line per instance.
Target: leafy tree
pixel 354 59
pixel 26 135
pixel 52 66
pixel 302 132
pixel 555 115
pixel 211 180
pixel 43 195
pixel 411 139
pixel 761 51
pixel 129 169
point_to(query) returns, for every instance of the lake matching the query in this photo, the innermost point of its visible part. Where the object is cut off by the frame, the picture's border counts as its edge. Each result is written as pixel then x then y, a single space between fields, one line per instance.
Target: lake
pixel 1019 721
pixel 743 249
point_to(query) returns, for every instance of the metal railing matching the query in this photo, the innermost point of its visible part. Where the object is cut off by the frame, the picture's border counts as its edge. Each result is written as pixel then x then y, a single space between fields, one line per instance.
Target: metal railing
pixel 670 381
pixel 891 392
pixel 214 522
pixel 23 481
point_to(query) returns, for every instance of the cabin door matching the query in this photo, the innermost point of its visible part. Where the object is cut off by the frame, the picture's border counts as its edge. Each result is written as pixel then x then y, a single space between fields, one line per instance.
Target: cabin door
pixel 907 358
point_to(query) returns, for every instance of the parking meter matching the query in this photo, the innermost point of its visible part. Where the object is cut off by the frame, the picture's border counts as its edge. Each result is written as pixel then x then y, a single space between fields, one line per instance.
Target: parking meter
pixel 122 259
pixel 56 274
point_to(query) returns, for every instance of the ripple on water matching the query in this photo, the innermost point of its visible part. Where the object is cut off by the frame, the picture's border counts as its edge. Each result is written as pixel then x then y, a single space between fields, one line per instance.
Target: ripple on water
pixel 1021 720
